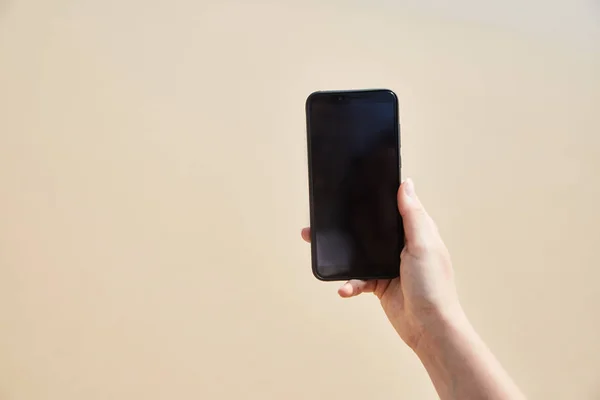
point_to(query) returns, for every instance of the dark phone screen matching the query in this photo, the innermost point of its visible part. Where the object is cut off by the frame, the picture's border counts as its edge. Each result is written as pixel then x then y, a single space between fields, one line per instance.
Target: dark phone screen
pixel 354 173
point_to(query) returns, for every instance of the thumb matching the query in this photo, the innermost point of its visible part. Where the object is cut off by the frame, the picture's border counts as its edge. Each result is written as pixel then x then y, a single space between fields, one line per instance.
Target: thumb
pixel 419 230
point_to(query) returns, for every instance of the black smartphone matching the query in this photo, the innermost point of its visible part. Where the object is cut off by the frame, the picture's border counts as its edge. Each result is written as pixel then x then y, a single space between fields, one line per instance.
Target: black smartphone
pixel 354 166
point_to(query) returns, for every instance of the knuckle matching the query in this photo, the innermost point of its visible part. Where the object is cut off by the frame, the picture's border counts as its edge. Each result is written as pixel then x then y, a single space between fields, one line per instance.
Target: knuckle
pixel 418 248
pixel 427 246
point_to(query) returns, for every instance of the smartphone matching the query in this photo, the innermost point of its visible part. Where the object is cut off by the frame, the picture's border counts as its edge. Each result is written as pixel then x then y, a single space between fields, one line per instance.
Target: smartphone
pixel 354 166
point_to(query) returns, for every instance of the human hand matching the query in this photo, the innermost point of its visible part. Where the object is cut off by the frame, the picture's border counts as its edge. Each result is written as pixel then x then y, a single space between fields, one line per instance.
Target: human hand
pixel 424 296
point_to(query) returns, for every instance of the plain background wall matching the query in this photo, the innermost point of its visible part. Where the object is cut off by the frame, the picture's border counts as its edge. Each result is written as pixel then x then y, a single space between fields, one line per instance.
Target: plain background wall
pixel 153 184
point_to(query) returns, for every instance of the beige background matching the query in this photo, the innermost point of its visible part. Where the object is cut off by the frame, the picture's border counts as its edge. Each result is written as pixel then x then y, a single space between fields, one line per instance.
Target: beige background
pixel 153 183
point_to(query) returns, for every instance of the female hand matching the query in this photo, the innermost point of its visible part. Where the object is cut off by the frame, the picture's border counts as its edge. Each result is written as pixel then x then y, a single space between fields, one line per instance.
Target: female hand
pixel 424 295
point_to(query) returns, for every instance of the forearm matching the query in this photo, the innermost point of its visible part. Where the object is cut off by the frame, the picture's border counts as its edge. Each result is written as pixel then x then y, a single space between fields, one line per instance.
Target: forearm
pixel 460 364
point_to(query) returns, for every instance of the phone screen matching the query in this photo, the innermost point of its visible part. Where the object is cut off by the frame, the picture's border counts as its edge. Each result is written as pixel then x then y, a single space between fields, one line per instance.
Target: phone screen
pixel 354 168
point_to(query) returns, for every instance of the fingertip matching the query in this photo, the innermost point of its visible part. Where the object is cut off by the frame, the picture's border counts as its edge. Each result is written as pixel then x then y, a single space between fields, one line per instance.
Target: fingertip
pixel 346 290
pixel 306 234
pixel 420 231
pixel 406 195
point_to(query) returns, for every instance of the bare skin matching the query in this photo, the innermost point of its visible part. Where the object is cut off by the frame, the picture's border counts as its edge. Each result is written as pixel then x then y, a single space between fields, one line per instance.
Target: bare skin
pixel 423 307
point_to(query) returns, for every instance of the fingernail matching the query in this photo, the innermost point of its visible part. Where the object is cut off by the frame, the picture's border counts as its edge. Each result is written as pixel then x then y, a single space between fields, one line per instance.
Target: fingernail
pixel 409 188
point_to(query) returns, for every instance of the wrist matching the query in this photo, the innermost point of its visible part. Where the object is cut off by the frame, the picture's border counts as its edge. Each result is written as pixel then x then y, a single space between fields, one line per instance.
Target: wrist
pixel 443 326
